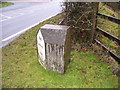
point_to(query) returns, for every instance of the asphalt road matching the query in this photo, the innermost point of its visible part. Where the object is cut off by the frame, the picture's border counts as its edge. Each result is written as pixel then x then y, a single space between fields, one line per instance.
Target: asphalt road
pixel 21 16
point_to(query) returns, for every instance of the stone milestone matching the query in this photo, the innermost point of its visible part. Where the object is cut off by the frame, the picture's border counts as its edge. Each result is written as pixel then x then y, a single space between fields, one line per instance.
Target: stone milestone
pixel 54 45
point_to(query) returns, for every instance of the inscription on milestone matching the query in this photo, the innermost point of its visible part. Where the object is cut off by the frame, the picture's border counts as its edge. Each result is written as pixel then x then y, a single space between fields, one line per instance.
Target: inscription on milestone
pixel 41 45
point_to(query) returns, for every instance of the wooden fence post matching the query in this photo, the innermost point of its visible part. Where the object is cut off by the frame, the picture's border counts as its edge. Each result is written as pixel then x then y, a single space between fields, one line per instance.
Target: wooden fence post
pixel 94 22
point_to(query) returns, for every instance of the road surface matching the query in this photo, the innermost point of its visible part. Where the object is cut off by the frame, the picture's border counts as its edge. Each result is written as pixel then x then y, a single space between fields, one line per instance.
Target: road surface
pixel 21 16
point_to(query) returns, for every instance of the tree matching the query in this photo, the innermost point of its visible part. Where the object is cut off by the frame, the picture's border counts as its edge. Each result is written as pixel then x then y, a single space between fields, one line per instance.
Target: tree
pixel 81 16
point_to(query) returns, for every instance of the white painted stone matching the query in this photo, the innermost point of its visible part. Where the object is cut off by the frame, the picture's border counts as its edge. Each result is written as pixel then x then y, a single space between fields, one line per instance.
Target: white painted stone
pixel 41 45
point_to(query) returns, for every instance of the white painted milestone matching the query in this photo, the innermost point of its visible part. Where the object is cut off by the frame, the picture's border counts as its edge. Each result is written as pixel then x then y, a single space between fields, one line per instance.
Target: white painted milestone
pixel 41 45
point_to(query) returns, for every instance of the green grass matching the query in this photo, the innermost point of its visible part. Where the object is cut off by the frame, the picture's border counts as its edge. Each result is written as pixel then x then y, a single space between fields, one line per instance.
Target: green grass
pixel 107 25
pixel 106 10
pixel 21 68
pixel 4 4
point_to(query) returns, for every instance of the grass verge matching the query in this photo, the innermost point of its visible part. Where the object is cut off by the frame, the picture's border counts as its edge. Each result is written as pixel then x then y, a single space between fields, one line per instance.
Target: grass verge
pixel 4 4
pixel 21 68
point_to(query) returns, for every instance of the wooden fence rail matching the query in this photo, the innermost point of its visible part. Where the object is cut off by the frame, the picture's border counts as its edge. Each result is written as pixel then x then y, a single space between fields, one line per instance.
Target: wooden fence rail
pixel 113 19
pixel 109 52
pixel 108 35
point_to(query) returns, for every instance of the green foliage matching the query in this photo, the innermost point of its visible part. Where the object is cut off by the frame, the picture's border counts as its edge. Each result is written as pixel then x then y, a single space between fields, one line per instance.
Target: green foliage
pixel 4 4
pixel 81 17
pixel 21 68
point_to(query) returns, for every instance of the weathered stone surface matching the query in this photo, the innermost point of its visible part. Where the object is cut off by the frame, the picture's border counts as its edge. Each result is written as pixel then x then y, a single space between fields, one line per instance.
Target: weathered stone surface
pixel 56 40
